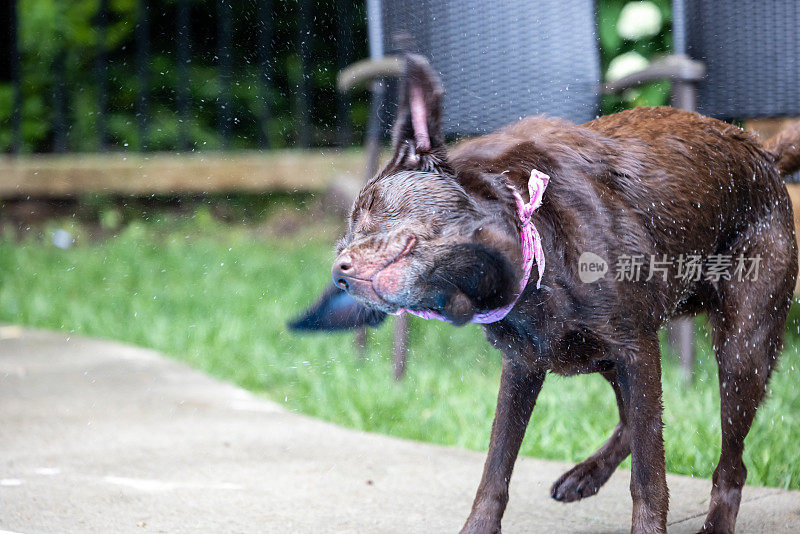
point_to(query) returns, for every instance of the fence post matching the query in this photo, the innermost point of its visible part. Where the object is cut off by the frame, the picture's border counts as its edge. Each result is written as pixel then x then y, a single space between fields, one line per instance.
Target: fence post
pixel 12 72
pixel 101 73
pixel 60 125
pixel 224 30
pixel 143 71
pixel 266 69
pixel 344 56
pixel 304 28
pixel 184 57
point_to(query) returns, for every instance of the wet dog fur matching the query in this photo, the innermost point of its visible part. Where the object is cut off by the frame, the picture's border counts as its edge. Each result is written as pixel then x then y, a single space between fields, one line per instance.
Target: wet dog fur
pixel 437 229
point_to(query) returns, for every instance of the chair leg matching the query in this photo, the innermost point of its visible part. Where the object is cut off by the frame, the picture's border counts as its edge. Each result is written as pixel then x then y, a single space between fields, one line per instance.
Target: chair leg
pixel 400 349
pixel 681 339
pixel 360 341
pixel 373 142
pixel 684 96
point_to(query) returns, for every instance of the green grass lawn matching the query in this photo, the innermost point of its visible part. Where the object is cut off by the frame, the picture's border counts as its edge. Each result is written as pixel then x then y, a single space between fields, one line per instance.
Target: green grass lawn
pixel 218 298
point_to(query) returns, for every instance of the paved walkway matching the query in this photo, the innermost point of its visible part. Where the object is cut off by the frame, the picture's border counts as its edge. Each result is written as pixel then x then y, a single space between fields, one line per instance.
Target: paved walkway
pixel 102 437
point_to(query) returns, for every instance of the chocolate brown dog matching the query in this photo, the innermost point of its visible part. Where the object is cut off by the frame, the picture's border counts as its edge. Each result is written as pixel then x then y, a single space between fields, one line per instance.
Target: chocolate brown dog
pixel 438 231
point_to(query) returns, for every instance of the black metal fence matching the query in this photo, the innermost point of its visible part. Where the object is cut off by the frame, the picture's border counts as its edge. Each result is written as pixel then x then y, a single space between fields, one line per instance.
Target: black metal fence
pixel 190 74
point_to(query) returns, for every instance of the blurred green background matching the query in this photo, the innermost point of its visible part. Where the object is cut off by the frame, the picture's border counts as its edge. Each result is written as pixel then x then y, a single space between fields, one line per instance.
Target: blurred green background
pixel 630 33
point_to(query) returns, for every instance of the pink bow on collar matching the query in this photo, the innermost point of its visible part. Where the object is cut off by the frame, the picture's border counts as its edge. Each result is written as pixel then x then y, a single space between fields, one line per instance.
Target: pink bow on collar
pixel 531 250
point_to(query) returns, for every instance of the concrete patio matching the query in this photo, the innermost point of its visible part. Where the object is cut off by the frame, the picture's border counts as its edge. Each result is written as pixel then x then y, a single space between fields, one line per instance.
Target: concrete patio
pixel 98 436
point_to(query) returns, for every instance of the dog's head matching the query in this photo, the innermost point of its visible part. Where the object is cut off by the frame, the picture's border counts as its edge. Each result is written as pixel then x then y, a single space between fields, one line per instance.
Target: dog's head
pixel 416 238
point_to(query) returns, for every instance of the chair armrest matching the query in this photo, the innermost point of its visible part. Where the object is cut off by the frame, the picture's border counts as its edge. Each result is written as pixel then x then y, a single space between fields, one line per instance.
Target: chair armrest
pixel 361 72
pixel 676 68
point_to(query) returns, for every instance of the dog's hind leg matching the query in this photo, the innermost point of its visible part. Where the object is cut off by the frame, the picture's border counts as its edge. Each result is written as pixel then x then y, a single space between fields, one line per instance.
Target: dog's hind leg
pixel 748 324
pixel 586 478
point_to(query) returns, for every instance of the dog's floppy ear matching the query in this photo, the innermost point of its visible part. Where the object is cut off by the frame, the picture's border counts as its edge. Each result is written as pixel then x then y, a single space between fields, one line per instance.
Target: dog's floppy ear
pixel 419 112
pixel 336 310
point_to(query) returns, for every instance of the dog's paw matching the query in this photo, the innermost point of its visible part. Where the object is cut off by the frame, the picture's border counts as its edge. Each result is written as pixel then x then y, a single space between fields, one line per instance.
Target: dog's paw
pixel 583 480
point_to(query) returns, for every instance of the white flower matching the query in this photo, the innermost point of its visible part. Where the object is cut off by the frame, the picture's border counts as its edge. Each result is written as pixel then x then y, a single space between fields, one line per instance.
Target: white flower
pixel 625 64
pixel 638 20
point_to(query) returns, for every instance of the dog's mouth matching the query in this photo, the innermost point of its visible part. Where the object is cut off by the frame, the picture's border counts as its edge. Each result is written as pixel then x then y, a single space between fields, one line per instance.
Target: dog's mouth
pixel 388 286
pixel 364 291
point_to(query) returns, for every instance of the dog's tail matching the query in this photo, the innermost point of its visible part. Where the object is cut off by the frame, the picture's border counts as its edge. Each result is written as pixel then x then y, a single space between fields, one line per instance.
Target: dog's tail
pixel 786 148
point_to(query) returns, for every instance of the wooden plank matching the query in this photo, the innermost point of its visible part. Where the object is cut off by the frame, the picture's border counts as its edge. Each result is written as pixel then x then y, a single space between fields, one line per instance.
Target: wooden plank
pixel 766 128
pixel 67 175
pixel 57 175
pixel 794 194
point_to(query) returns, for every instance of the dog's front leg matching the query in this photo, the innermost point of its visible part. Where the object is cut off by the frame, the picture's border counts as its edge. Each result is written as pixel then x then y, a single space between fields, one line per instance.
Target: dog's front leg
pixel 640 370
pixel 519 387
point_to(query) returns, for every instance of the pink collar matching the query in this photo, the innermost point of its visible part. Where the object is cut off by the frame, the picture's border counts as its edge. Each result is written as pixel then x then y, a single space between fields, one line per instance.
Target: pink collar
pixel 531 249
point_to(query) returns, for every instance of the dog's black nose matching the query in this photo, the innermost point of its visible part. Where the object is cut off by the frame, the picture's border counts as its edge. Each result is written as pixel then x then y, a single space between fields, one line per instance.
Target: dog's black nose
pixel 342 268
